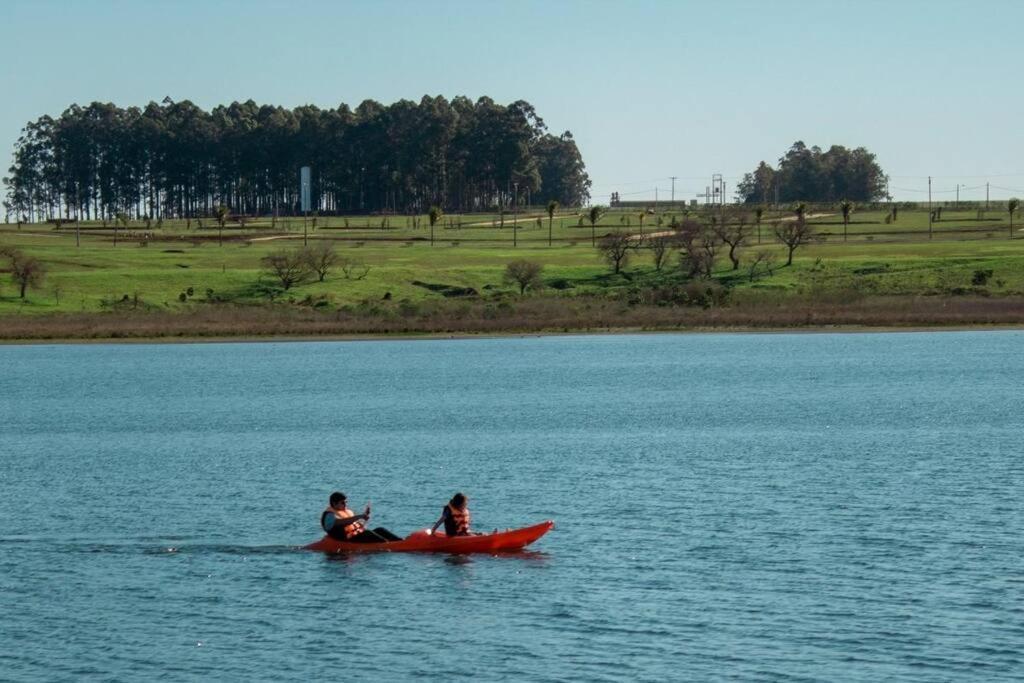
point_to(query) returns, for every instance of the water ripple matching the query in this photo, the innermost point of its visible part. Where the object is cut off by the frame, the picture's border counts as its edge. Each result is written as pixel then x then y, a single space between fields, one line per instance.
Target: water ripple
pixel 729 507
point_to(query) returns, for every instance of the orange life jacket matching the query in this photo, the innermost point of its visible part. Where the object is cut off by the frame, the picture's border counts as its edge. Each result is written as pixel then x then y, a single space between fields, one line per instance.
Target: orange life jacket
pixel 461 519
pixel 355 528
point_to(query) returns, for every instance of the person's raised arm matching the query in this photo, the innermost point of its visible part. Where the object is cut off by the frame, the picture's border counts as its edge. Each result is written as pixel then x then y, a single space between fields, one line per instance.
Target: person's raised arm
pixel 438 523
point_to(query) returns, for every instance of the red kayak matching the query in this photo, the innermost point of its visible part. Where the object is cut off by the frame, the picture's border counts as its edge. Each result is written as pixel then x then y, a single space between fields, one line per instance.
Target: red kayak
pixel 423 541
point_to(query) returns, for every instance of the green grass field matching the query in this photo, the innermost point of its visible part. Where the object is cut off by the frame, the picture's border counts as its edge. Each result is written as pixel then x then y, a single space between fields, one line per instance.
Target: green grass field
pixel 153 267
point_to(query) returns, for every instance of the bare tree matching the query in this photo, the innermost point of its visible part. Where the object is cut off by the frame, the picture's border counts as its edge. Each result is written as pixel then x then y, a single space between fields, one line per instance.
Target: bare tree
pixel 615 248
pixel 26 271
pixel 354 269
pixel 732 233
pixel 659 249
pixel 794 234
pixel 764 261
pixel 526 274
pixel 698 248
pixel 287 267
pixel 321 258
pixel 709 245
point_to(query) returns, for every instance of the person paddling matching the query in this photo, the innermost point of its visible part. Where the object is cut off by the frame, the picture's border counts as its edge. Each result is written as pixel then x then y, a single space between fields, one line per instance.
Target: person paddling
pixel 342 524
pixel 455 517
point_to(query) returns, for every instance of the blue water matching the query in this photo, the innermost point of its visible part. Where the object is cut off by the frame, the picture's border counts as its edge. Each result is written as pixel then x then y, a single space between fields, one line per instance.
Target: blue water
pixel 771 507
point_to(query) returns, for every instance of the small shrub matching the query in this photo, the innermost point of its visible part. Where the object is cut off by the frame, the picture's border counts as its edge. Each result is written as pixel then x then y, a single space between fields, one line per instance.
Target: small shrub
pixel 705 294
pixel 980 278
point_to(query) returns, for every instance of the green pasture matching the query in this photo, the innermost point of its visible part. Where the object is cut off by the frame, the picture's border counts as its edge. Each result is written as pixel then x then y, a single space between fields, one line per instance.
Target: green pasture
pixel 492 228
pixel 531 225
pixel 153 267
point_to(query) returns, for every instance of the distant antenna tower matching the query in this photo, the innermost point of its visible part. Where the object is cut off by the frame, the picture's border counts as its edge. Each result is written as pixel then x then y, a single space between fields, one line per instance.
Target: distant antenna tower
pixel 718 189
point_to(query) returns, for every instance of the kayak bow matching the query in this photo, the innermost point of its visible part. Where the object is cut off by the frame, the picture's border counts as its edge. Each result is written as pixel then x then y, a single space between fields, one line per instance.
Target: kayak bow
pixel 423 541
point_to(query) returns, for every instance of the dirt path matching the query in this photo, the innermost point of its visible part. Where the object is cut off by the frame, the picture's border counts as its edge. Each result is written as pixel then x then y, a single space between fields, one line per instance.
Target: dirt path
pixel 275 237
pixel 784 219
pixel 790 219
pixel 509 222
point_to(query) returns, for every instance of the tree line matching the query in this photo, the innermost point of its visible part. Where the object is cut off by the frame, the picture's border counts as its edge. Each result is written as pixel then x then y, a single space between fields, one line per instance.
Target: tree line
pixel 175 160
pixel 811 175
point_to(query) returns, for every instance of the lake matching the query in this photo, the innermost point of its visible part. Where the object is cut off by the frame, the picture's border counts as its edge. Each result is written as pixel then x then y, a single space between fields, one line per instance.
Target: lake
pixel 746 506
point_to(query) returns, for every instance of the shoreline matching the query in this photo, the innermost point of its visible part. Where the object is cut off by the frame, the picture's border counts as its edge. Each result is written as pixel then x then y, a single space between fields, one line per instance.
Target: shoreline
pixel 542 316
pixel 511 334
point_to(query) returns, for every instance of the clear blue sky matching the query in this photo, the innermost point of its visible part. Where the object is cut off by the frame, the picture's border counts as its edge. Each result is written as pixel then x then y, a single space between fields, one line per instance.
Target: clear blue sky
pixel 650 89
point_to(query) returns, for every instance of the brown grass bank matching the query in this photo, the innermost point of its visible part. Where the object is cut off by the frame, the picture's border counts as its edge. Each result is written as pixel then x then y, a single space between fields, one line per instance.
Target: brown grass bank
pixel 525 316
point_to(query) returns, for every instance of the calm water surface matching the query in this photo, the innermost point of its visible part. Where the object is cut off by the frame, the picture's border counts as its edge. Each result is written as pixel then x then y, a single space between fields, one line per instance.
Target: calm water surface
pixel 770 507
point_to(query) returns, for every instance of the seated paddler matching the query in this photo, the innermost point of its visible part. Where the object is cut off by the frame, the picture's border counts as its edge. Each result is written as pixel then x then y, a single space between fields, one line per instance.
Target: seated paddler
pixel 342 524
pixel 455 517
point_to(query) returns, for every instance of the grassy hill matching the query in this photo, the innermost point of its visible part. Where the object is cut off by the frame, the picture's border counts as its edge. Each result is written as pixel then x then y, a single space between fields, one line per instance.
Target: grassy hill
pixel 178 268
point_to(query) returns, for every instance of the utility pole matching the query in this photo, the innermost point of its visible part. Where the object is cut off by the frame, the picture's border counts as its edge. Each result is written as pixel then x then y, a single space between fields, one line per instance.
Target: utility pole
pixel 929 207
pixel 674 188
pixel 655 200
pixel 958 196
pixel 986 196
